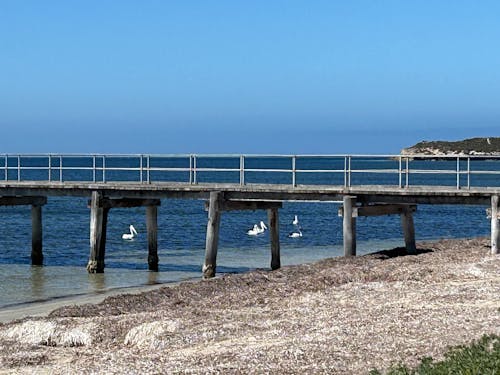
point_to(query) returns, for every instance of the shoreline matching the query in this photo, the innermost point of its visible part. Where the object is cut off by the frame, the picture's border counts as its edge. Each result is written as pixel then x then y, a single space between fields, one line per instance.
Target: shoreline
pixel 40 308
pixel 45 307
pixel 338 315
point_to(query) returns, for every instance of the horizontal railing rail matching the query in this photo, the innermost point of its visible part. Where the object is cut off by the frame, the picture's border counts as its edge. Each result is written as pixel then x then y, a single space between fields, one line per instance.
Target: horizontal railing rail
pixel 459 171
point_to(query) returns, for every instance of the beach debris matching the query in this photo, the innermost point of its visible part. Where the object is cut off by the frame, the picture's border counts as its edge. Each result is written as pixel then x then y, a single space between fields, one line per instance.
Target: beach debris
pixel 49 334
pixel 152 335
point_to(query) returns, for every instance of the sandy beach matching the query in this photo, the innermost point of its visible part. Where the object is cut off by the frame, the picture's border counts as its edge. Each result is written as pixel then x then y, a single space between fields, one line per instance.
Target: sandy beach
pixel 337 316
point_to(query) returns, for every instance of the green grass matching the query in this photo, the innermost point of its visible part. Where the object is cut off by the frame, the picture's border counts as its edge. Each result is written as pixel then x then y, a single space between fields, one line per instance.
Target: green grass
pixel 482 357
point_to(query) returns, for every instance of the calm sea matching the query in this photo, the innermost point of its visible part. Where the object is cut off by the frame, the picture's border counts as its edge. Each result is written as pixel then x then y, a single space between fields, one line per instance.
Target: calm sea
pixel 181 243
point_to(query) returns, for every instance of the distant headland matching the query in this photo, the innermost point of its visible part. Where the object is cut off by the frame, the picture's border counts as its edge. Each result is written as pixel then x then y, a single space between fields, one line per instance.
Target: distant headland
pixel 472 146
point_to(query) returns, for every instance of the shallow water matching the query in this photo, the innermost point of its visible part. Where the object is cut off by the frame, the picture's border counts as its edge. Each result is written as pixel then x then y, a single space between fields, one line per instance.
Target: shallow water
pixel 181 242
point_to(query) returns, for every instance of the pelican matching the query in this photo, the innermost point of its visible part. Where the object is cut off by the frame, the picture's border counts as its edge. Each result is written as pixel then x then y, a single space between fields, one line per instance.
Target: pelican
pixel 296 234
pixel 256 229
pixel 131 235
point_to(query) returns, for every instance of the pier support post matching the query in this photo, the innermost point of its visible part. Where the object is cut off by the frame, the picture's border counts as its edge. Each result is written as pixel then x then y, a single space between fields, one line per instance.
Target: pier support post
pixel 408 231
pixel 36 203
pixel 212 239
pixel 36 235
pixel 495 225
pixel 349 226
pixel 272 215
pixel 98 223
pixel 152 229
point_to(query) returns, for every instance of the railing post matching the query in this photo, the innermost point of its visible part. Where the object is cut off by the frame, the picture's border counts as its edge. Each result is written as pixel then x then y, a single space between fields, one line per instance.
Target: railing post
pixel 190 169
pixel 6 167
pixel 345 171
pixel 18 167
pixel 468 173
pixel 400 172
pixel 294 163
pixel 242 170
pixel 93 169
pixel 458 172
pixel 349 172
pixel 141 167
pixel 195 179
pixel 104 168
pixel 407 172
pixel 50 167
pixel 148 166
pixel 60 168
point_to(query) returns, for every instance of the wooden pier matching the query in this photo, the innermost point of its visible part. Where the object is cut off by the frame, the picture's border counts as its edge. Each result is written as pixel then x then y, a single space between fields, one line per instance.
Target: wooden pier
pixel 220 197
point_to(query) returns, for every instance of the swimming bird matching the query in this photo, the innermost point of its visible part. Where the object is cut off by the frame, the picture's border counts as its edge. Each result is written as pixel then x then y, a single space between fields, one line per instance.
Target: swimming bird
pixel 131 235
pixel 296 234
pixel 257 230
pixel 254 231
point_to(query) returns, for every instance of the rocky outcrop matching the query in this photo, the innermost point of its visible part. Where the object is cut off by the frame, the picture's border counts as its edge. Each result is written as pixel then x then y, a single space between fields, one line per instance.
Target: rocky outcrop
pixel 473 146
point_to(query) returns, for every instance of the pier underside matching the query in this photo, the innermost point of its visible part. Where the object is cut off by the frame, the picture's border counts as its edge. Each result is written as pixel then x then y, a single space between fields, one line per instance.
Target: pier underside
pixel 219 198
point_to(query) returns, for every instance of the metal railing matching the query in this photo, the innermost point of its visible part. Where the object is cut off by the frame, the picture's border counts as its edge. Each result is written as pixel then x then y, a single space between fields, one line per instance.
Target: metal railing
pixel 345 170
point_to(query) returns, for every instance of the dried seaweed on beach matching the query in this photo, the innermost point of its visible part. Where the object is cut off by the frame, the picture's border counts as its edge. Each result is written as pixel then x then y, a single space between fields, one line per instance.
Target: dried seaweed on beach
pixel 339 315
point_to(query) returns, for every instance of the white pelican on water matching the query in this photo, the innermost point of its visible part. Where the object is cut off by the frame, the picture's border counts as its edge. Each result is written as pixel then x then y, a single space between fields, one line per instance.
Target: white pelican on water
pixel 256 229
pixel 296 234
pixel 131 235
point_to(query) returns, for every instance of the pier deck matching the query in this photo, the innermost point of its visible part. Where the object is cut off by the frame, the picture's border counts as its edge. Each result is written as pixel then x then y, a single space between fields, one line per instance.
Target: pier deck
pixel 158 190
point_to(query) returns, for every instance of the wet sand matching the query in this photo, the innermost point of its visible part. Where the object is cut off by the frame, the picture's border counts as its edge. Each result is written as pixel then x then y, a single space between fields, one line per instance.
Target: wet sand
pixel 340 315
pixel 44 308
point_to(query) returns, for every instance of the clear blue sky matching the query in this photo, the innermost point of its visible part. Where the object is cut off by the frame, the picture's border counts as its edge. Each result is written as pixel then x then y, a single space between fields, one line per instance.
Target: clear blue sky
pixel 246 76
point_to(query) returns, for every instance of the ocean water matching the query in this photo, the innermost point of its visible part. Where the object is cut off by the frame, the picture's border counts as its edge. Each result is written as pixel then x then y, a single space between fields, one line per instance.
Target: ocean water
pixel 181 243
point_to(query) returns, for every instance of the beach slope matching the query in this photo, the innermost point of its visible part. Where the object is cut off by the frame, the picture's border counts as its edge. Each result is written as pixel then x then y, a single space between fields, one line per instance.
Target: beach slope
pixel 340 315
